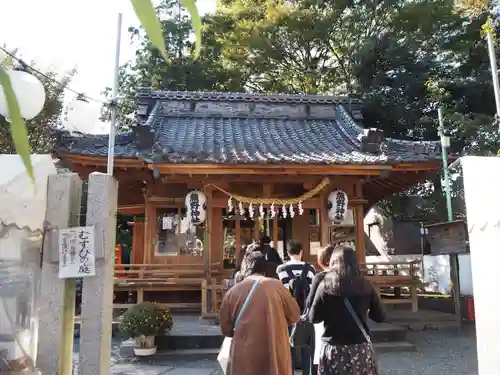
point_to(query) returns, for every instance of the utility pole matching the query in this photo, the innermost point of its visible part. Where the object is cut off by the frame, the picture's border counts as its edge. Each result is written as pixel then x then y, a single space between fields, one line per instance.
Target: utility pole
pixel 454 264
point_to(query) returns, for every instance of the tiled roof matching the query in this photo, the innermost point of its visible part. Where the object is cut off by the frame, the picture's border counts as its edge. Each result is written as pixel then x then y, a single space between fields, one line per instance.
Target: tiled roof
pixel 175 127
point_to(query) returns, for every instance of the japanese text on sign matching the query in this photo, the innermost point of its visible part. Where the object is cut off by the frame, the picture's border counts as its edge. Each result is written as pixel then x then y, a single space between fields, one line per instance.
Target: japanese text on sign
pixel 76 252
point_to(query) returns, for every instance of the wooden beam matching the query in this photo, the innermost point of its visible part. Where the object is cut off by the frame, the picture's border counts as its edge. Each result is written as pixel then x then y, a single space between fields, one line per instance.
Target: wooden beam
pixel 298 170
pixel 224 180
pixel 100 160
pixel 133 209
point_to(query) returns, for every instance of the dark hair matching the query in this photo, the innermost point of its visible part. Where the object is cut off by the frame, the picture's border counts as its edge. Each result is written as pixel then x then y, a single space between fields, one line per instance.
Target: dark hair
pixel 265 240
pixel 344 276
pixel 294 248
pixel 324 256
pixel 253 262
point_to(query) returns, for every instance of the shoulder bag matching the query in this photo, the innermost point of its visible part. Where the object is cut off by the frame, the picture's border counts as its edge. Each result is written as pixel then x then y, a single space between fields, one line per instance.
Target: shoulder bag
pixel 225 353
pixel 372 362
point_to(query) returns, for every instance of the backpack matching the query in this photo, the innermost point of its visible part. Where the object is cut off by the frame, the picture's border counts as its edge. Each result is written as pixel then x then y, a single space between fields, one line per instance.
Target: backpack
pixel 299 286
pixel 302 334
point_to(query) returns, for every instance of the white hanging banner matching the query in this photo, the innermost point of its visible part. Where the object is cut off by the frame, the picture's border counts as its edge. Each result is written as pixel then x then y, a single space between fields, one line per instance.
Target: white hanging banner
pixel 76 252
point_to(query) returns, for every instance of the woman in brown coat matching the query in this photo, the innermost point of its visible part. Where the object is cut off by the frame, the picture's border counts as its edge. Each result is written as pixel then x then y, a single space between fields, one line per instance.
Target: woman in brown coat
pixel 260 344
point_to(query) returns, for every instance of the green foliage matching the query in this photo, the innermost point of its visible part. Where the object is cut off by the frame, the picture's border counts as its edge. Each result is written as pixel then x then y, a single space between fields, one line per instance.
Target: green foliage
pixel 184 72
pixel 404 58
pixel 146 319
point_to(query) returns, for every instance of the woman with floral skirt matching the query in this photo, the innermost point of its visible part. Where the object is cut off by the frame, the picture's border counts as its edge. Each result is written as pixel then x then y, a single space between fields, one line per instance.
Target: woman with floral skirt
pixel 343 302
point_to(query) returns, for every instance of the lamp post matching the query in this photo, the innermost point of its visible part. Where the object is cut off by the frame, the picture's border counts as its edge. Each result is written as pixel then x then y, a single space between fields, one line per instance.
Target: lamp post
pixel 114 101
pixel 454 263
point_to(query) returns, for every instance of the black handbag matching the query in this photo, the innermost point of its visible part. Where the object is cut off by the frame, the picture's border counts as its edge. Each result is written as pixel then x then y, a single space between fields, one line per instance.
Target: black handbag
pixel 302 334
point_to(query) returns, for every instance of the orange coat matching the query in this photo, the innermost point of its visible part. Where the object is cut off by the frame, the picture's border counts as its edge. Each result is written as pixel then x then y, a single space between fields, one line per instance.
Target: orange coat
pixel 260 344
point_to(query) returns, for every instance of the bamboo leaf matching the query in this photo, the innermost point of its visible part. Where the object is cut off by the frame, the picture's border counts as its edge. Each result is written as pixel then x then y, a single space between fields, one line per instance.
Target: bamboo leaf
pixel 7 63
pixel 190 6
pixel 17 125
pixel 147 16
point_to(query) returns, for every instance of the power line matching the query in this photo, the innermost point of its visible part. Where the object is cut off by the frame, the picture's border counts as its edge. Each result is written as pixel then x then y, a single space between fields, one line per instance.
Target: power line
pixel 65 87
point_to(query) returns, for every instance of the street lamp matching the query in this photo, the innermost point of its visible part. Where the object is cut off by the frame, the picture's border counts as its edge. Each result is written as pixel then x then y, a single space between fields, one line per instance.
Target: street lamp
pixel 29 92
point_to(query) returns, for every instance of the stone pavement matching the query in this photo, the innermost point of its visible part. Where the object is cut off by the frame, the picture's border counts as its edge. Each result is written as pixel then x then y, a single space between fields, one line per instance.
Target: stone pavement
pixel 443 352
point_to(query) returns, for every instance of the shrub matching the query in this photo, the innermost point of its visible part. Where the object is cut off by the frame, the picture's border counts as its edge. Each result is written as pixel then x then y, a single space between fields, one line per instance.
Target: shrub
pixel 146 319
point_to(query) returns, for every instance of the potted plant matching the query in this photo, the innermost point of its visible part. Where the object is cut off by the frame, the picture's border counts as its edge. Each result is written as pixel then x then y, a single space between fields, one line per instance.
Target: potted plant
pixel 143 322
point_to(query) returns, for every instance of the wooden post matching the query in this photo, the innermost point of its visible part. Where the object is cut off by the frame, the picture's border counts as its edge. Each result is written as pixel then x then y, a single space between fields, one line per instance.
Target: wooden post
pixel 57 297
pixel 275 232
pixel 217 238
pixel 256 228
pixel 324 221
pixel 207 249
pixel 237 242
pixel 359 216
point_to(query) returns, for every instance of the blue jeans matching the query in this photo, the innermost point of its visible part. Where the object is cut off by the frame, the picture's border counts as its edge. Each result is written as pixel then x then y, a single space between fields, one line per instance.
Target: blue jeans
pixel 305 356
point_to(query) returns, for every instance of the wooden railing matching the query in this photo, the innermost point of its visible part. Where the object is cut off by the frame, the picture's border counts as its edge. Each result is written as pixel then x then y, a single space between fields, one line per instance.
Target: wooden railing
pixel 211 298
pixel 159 277
pixel 395 275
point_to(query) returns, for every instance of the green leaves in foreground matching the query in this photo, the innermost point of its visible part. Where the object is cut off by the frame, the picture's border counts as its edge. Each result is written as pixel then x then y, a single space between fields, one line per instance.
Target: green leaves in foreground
pixel 146 13
pixel 17 125
pixel 190 6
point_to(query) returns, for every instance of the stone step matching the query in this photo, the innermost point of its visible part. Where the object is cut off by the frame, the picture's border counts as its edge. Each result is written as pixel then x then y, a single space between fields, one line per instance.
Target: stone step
pixel 385 332
pixel 211 338
pixel 211 354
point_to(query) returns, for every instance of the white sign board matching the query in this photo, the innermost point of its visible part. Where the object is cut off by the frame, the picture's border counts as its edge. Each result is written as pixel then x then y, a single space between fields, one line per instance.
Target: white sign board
pixel 76 252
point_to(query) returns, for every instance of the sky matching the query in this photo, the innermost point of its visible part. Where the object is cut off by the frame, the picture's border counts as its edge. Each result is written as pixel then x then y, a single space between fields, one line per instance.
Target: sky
pixel 66 34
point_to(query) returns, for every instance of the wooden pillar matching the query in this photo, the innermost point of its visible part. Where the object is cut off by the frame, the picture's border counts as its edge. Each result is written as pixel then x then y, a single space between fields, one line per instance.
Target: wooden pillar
pixel 237 242
pixel 217 237
pixel 324 221
pixel 207 250
pixel 275 232
pixel 138 242
pixel 300 232
pixel 256 226
pixel 359 216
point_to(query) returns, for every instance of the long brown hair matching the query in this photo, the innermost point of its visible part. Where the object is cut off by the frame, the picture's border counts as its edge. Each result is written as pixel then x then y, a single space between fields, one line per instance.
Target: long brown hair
pixel 344 276
pixel 324 256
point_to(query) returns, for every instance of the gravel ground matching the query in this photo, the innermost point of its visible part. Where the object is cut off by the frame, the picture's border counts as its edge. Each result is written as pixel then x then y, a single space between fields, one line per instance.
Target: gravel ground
pixel 443 352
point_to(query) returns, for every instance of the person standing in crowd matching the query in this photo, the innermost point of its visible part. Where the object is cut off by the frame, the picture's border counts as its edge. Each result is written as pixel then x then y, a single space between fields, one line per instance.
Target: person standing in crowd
pixel 270 252
pixel 260 337
pixel 324 256
pixel 343 301
pixel 297 276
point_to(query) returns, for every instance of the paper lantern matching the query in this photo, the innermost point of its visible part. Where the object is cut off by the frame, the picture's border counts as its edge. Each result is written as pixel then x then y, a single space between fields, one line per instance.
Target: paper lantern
pixel 337 206
pixel 196 205
pixel 82 116
pixel 29 91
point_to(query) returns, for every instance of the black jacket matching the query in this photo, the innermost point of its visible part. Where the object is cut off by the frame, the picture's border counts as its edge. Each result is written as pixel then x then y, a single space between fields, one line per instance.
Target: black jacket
pixel 340 326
